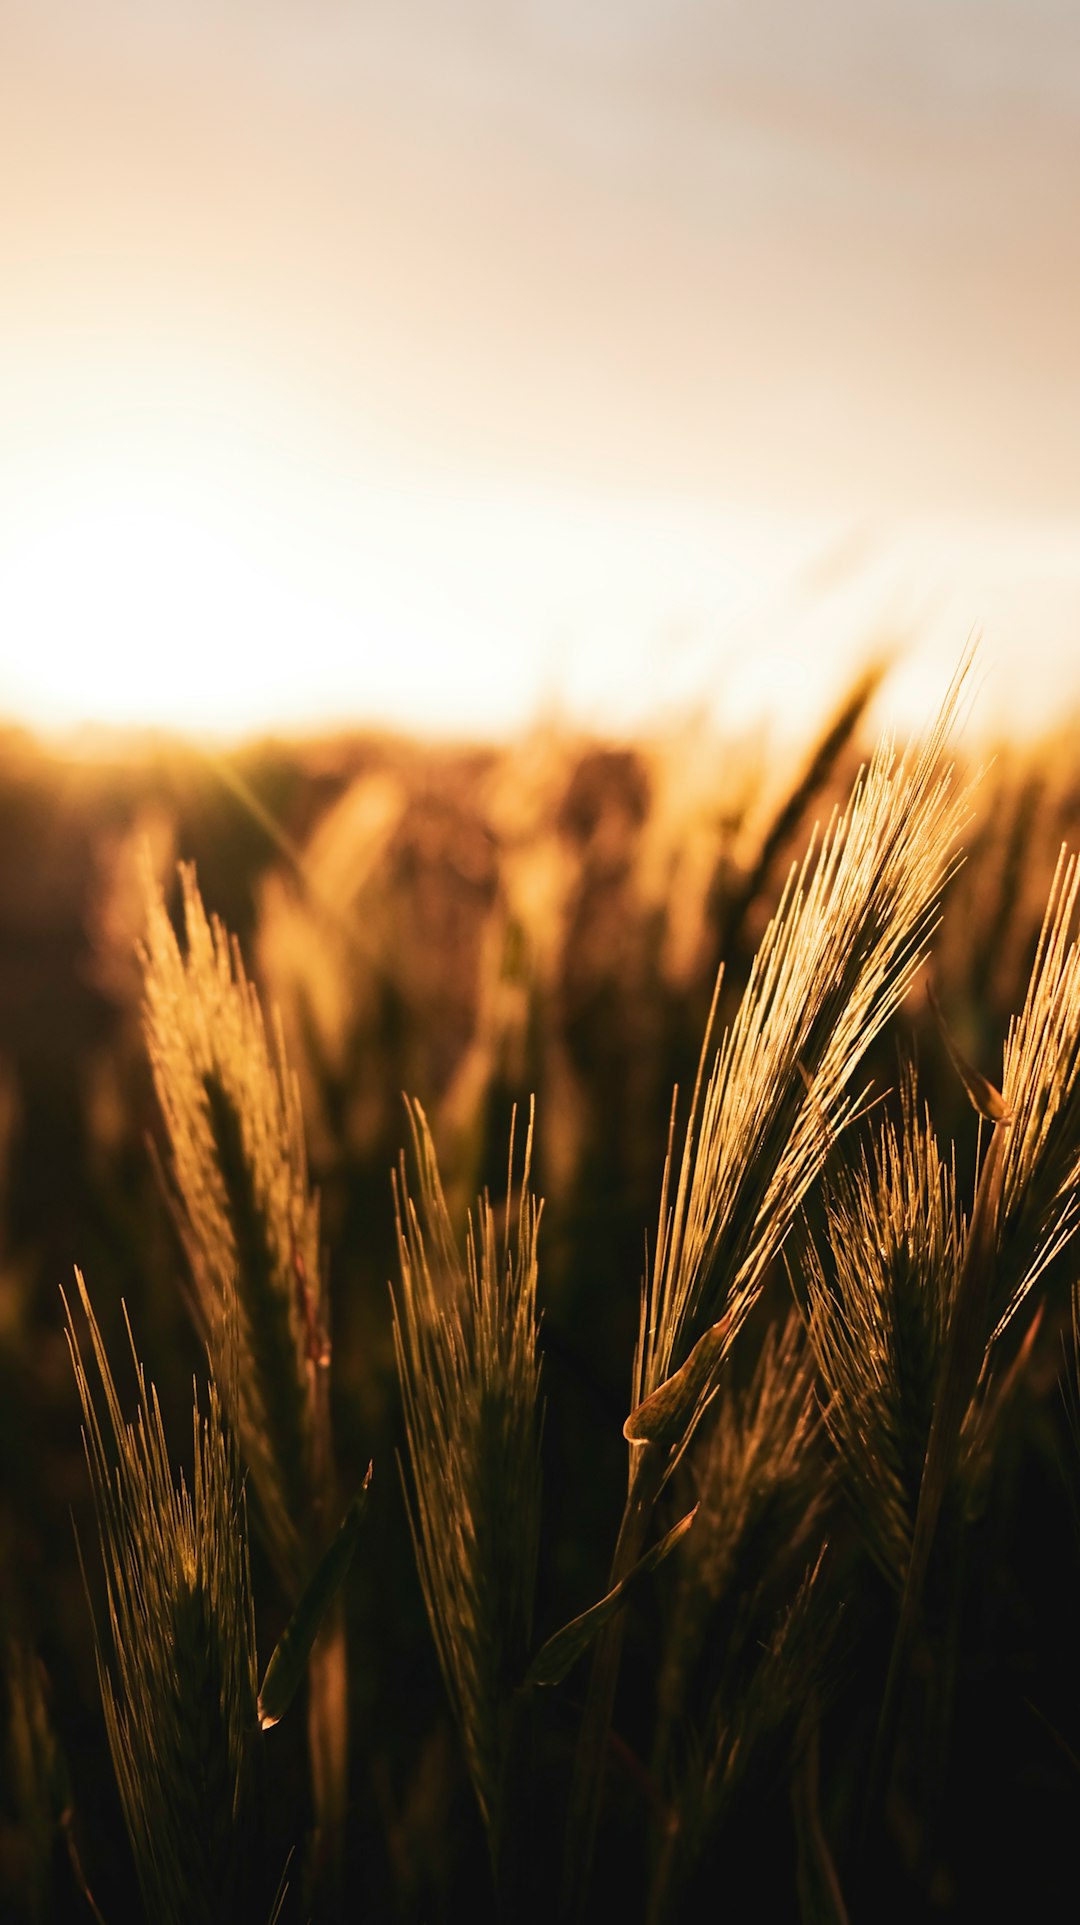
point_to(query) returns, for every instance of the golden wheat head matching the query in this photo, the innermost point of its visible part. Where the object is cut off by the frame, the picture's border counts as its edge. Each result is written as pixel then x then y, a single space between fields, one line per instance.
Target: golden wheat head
pixel 466 1341
pixel 179 1689
pixel 238 1173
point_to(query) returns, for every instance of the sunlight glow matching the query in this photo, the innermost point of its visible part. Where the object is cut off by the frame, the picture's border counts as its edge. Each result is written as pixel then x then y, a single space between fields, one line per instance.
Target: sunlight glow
pixel 203 605
pixel 395 368
pixel 223 598
pixel 121 611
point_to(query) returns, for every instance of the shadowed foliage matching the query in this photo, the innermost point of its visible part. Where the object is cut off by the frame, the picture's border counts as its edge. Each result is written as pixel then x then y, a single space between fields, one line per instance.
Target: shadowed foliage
pixel 178 1672
pixel 465 1336
pixel 835 1671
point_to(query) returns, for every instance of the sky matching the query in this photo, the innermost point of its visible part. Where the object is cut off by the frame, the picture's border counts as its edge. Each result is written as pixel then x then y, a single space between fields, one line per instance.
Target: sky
pixel 441 366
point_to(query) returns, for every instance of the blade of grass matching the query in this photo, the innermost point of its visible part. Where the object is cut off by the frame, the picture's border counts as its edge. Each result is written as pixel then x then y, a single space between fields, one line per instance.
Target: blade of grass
pixel 561 1652
pixel 288 1664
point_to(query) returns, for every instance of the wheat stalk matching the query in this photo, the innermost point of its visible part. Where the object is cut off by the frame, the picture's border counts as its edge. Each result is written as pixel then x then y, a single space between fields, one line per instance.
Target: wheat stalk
pixel 853 926
pixel 1041 1093
pixel 179 1694
pixel 465 1338
pixel 770 1665
pixel 725 1683
pixel 237 1170
pixel 249 1223
pixel 879 1304
pixel 907 1440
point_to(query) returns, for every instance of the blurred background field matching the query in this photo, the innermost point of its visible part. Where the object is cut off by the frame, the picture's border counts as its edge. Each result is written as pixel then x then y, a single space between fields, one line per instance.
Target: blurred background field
pixel 475 925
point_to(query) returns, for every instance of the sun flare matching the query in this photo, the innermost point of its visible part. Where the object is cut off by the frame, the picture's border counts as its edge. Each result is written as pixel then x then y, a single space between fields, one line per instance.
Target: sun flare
pixel 130 612
pixel 131 603
pixel 218 594
pixel 221 596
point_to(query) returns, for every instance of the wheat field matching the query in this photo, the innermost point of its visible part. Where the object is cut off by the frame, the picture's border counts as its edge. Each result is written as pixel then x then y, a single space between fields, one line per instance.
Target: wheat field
pixel 545 1283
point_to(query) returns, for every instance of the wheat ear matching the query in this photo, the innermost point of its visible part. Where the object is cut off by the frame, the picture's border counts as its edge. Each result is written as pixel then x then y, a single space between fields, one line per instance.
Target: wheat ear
pixel 179 1691
pixel 465 1336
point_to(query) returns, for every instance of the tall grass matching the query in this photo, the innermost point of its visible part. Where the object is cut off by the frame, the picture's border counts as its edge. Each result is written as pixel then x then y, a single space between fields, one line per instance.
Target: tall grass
pixel 853 926
pixel 836 1332
pixel 237 1175
pixel 238 1178
pixel 909 1312
pixel 178 1668
pixel 879 1302
pixel 465 1336
pixel 852 929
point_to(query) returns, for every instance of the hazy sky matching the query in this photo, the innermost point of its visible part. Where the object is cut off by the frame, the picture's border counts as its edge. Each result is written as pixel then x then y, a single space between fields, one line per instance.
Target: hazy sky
pixel 537 329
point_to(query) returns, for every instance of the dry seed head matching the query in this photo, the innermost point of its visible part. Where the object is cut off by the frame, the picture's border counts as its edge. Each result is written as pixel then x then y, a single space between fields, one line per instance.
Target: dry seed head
pixel 762 1494
pixel 238 1171
pixel 1041 1087
pixel 852 927
pixel 178 1682
pixel 879 1302
pixel 465 1337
